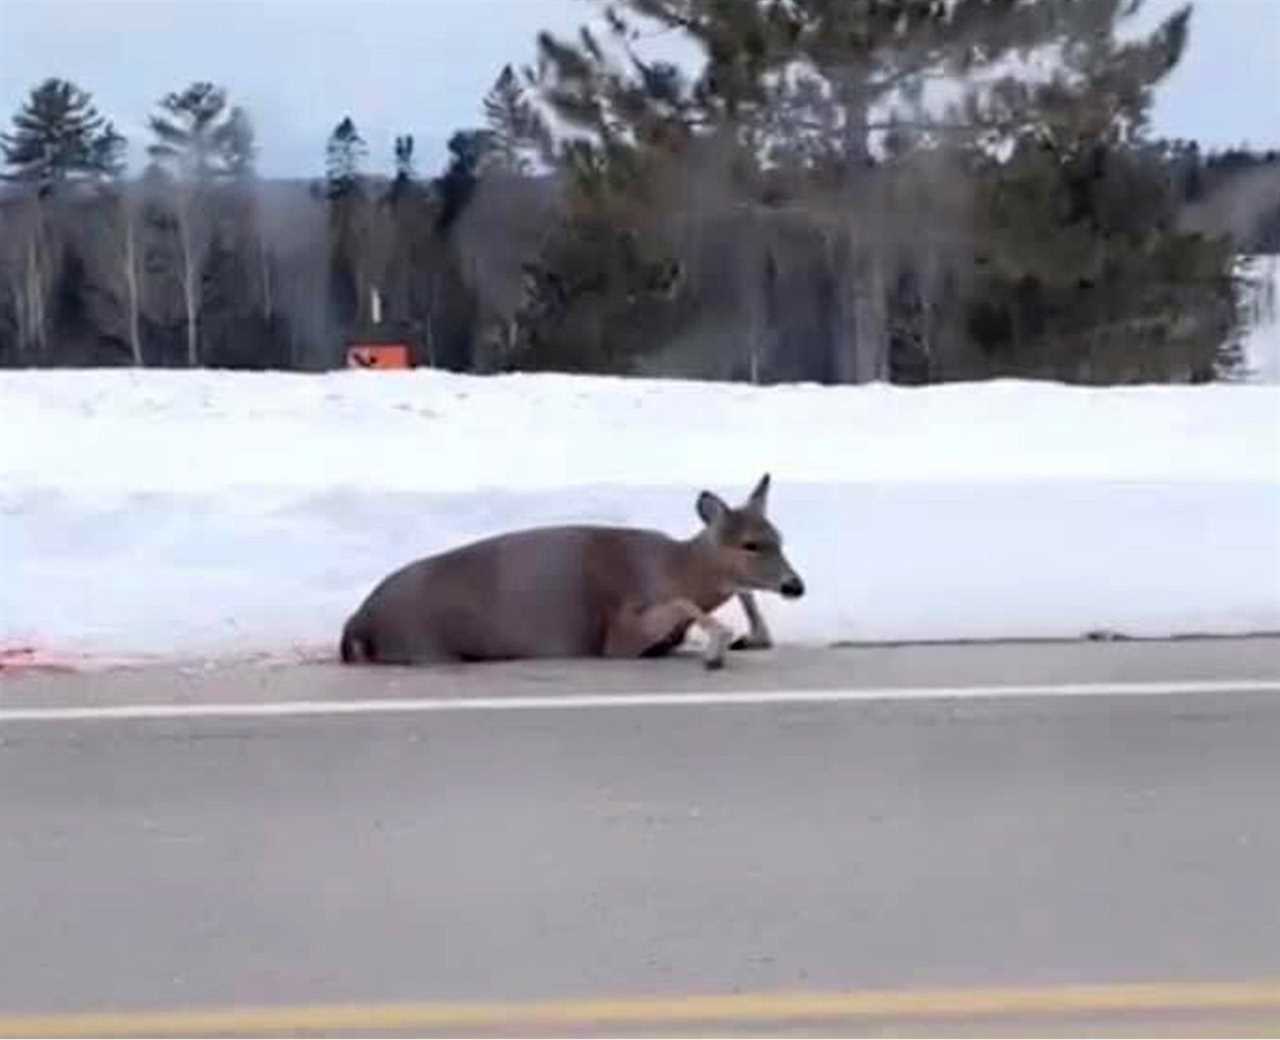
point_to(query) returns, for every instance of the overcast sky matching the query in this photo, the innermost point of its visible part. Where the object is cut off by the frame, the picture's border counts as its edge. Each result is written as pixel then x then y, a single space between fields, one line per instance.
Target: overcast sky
pixel 421 66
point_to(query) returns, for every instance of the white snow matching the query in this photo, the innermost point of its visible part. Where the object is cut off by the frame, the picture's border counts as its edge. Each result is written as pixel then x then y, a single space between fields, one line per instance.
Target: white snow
pixel 206 513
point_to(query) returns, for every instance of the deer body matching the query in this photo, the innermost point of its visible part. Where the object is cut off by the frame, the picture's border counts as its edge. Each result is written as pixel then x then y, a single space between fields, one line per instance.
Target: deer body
pixel 577 591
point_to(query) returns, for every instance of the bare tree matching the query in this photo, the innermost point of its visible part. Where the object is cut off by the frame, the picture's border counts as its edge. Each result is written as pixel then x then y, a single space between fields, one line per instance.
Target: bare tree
pixel 30 257
pixel 190 205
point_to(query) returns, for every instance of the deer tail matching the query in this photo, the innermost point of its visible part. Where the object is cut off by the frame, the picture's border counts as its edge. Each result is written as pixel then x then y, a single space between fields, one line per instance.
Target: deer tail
pixel 354 647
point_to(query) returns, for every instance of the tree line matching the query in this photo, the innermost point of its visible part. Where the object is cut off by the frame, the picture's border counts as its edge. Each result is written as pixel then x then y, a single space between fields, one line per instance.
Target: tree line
pixel 798 208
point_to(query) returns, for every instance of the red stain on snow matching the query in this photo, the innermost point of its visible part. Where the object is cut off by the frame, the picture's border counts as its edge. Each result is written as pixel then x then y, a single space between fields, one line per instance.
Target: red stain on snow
pixel 16 660
pixel 28 658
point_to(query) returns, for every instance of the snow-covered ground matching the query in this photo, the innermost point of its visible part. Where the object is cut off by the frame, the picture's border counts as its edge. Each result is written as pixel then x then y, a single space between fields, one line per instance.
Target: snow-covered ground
pixel 204 513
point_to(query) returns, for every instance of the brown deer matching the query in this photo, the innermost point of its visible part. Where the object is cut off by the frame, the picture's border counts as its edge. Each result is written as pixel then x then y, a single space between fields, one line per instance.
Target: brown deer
pixel 579 592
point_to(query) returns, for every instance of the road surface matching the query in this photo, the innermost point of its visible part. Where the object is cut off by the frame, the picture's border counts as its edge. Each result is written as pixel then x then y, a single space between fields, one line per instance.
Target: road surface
pixel 847 826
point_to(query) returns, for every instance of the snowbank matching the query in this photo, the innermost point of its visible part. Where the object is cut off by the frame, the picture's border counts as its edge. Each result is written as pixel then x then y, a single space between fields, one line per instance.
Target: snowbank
pixel 115 434
pixel 210 513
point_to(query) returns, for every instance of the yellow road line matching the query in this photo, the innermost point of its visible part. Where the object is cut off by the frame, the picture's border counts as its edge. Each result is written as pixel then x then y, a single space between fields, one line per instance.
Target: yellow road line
pixel 642 1012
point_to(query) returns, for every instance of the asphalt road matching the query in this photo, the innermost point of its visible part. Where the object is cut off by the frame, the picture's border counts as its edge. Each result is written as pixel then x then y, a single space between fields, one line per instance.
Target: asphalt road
pixel 650 851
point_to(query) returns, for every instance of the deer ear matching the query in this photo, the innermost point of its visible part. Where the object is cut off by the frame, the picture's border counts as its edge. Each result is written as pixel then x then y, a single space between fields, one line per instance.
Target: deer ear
pixel 759 499
pixel 711 508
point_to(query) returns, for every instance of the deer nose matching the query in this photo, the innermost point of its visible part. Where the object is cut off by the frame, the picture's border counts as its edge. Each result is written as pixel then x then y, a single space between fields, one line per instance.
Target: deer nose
pixel 792 588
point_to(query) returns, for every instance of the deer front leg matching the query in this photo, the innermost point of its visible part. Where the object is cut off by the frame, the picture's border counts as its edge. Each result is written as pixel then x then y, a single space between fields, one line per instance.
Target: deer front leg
pixel 758 637
pixel 637 630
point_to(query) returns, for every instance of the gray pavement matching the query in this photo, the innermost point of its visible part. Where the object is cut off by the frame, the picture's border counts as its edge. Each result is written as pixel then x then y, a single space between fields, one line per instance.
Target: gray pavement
pixel 646 850
pixel 909 665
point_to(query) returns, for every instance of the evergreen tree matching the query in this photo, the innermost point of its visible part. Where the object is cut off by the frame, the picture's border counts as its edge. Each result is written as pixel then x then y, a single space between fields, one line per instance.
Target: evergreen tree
pixel 809 114
pixel 199 142
pixel 354 228
pixel 59 136
pixel 409 253
pixel 469 152
pixel 1088 276
pixel 199 137
pixel 404 159
pixel 344 156
pixel 515 128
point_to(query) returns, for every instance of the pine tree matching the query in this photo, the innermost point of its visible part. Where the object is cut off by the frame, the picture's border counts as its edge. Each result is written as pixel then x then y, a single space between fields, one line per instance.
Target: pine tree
pixel 469 153
pixel 1089 276
pixel 404 158
pixel 59 136
pixel 515 128
pixel 199 137
pixel 406 245
pixel 351 224
pixel 809 113
pixel 344 155
pixel 199 142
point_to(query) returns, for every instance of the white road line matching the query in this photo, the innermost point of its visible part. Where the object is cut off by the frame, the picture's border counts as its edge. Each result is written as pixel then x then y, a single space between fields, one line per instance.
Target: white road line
pixel 696 699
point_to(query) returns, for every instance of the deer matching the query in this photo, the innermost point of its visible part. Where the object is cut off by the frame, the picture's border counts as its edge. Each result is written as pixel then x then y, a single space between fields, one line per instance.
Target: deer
pixel 579 591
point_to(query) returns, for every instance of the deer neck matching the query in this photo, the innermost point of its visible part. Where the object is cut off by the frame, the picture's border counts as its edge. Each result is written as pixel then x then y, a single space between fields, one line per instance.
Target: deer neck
pixel 701 573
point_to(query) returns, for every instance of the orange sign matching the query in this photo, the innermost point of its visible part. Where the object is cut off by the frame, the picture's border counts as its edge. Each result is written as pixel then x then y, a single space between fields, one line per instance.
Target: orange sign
pixel 393 355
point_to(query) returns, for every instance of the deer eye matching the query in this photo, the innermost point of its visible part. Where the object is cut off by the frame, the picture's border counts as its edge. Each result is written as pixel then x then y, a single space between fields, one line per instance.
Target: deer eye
pixel 752 547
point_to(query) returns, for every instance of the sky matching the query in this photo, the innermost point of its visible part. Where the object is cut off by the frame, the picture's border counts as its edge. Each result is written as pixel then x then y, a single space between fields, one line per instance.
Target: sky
pixel 422 66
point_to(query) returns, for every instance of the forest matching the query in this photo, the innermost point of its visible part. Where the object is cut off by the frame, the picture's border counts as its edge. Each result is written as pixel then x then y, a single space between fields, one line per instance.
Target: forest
pixel 843 191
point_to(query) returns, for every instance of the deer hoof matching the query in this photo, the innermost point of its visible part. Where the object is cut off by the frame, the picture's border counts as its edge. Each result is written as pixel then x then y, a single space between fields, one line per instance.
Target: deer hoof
pixel 747 643
pixel 714 656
